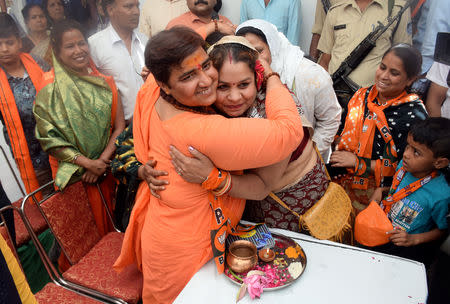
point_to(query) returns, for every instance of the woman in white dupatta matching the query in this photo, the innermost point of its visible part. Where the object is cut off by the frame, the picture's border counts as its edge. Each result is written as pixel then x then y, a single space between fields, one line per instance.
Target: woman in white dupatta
pixel 307 80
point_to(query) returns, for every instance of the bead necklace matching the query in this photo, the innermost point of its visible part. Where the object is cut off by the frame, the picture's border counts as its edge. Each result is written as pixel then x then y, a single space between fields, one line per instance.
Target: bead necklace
pixel 199 110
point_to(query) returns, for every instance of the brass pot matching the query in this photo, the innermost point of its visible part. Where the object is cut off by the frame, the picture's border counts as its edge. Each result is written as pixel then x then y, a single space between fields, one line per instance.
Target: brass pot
pixel 242 256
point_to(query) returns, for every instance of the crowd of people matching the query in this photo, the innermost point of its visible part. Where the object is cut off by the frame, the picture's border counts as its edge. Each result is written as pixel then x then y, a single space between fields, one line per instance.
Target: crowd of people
pixel 189 123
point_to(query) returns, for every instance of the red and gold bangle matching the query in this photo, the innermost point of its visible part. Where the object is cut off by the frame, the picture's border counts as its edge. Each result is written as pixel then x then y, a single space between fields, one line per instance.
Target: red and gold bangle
pixel 226 188
pixel 266 78
pixel 214 179
pixel 216 26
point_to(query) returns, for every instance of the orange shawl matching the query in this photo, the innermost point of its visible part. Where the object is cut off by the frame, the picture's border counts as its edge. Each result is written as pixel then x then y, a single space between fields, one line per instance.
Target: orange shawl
pixel 359 132
pixel 13 123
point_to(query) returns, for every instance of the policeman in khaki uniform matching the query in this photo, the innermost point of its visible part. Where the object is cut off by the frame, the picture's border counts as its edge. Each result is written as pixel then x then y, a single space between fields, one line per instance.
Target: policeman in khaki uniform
pixel 319 20
pixel 349 22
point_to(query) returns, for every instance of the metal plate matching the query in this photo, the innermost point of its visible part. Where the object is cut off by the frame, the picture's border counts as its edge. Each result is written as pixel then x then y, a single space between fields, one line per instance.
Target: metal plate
pixel 281 263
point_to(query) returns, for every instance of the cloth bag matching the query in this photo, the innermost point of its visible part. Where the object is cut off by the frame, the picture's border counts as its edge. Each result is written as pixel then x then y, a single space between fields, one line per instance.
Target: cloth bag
pixel 330 218
pixel 371 226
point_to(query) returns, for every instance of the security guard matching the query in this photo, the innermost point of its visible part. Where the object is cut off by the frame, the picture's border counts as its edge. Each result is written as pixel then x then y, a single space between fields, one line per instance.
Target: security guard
pixel 319 20
pixel 349 22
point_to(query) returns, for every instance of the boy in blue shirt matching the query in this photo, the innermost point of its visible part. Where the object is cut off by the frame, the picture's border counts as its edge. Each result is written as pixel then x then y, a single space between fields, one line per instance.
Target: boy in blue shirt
pixel 419 218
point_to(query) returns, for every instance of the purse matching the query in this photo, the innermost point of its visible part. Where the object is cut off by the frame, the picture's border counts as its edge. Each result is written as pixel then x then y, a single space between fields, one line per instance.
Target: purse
pixel 331 217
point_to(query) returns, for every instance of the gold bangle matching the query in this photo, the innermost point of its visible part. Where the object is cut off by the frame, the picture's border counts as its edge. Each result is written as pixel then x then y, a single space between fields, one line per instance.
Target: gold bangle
pixel 216 26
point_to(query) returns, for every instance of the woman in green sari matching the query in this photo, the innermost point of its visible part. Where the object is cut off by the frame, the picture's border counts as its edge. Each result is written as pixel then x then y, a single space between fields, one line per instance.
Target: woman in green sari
pixel 78 116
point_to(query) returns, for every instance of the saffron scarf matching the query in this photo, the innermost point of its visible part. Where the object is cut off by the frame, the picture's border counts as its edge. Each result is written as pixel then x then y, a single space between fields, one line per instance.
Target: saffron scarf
pixel 13 123
pixel 74 116
pixel 363 118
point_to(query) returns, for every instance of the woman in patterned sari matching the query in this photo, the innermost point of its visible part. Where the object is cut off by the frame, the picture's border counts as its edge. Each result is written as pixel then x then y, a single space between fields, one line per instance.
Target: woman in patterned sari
pixel 377 125
pixel 78 116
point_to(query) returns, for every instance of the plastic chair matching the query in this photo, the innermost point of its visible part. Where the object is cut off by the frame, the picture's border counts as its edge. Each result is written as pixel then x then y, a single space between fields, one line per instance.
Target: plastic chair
pixel 69 216
pixel 52 292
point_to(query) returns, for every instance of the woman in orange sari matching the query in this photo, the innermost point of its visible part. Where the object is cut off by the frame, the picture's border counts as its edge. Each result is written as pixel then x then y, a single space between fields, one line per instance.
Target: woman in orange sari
pixel 377 125
pixel 172 237
pixel 78 116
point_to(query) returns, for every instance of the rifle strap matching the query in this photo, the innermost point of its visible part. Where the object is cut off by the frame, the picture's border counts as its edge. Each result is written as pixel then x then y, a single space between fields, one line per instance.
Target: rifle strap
pixel 398 22
pixel 326 5
pixel 390 7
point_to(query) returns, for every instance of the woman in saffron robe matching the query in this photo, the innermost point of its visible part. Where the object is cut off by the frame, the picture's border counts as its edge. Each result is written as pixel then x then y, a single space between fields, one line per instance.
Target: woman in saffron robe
pixel 170 238
pixel 78 116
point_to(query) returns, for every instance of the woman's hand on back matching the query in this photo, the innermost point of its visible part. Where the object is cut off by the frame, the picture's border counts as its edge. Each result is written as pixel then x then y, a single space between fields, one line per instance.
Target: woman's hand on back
pixel 192 169
pixel 147 173
pixel 343 159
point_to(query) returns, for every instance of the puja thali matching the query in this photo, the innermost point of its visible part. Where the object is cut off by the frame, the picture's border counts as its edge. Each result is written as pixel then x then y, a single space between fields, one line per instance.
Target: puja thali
pixel 287 266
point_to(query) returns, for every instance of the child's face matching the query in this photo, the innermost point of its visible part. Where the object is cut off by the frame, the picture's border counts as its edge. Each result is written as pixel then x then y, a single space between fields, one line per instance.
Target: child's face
pixel 418 159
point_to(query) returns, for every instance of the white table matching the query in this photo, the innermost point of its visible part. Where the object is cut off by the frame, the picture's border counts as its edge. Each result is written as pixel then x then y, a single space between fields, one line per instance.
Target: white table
pixel 334 273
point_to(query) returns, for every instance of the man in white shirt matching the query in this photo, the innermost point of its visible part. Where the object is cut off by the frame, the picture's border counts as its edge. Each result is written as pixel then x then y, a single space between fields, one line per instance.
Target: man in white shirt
pixel 118 50
pixel 438 99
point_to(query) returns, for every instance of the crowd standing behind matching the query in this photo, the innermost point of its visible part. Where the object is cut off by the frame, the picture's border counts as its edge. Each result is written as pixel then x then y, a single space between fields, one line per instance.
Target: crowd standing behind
pixel 284 14
pixel 71 96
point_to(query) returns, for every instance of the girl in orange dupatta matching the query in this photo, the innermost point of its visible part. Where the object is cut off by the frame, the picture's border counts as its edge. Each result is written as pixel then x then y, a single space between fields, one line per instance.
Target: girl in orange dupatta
pixel 79 115
pixel 170 238
pixel 20 77
pixel 377 125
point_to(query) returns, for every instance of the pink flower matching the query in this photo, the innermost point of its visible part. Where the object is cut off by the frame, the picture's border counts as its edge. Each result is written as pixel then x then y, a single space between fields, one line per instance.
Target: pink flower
pixel 254 286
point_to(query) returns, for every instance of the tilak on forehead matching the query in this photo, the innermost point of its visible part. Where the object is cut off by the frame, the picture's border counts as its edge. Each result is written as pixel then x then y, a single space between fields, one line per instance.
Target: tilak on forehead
pixel 196 61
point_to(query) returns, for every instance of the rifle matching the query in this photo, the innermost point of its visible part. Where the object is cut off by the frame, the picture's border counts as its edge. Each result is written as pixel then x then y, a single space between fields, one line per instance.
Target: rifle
pixel 326 5
pixel 341 82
